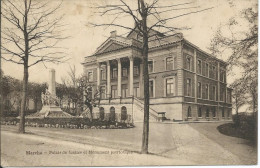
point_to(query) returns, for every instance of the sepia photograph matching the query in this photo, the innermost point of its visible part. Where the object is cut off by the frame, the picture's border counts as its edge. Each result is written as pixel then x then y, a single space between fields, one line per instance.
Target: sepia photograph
pixel 128 83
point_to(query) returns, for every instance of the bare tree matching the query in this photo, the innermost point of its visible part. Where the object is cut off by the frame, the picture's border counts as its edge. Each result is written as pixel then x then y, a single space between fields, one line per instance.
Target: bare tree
pixel 31 34
pixel 147 17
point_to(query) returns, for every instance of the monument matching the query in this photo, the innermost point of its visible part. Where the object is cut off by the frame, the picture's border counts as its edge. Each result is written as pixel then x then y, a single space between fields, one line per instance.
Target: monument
pixel 51 106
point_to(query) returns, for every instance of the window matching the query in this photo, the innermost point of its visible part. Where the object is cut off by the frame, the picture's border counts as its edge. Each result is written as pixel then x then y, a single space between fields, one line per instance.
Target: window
pixel 103 74
pixel 199 90
pixel 222 94
pixel 214 112
pixel 103 92
pixel 207 70
pixel 101 113
pixel 213 92
pixel 112 116
pixel 124 91
pixel 188 61
pixel 113 91
pixel 199 68
pixel 188 87
pixel 222 75
pixel 136 70
pixel 228 96
pixel 213 72
pixel 150 66
pixel 136 90
pixel 229 112
pixel 90 76
pixel 189 112
pixel 123 113
pixel 169 63
pixel 124 72
pixel 199 112
pixel 114 73
pixel 223 112
pixel 151 93
pixel 207 91
pixel 207 113
pixel 89 92
pixel 170 87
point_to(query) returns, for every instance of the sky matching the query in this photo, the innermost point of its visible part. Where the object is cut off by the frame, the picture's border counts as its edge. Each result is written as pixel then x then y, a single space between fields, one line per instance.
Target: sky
pixel 84 39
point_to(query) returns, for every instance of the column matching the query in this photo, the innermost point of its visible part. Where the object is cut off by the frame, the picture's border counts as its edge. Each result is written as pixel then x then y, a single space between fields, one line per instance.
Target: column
pixel 98 74
pixel 141 81
pixel 131 85
pixel 108 80
pixel 119 69
pixel 52 82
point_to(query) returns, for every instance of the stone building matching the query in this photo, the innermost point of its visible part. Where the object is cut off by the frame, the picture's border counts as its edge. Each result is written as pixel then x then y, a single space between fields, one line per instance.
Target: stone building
pixel 186 83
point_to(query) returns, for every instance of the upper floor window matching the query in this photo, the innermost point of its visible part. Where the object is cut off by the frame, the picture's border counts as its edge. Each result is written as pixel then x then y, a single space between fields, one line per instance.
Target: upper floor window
pixel 136 70
pixel 90 76
pixel 222 75
pixel 207 91
pixel 151 92
pixel 169 63
pixel 188 62
pixel 213 72
pixel 207 70
pixel 114 73
pixel 199 90
pixel 150 66
pixel 169 87
pixel 213 92
pixel 199 68
pixel 228 96
pixel 124 72
pixel 103 74
pixel 188 87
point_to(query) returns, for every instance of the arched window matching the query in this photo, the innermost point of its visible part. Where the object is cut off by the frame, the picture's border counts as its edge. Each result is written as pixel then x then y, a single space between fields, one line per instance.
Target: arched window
pixel 199 112
pixel 123 113
pixel 101 113
pixel 189 112
pixel 112 116
pixel 207 113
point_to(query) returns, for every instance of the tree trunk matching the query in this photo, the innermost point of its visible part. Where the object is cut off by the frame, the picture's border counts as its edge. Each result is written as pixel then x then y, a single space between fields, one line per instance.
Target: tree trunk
pixel 23 105
pixel 145 139
pixel 26 74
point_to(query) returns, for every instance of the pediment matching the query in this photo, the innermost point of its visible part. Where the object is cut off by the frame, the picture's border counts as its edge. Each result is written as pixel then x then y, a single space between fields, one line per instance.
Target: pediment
pixel 110 45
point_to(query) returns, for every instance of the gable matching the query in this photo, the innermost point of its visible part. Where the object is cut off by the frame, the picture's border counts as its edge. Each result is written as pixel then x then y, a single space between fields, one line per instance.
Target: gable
pixel 110 46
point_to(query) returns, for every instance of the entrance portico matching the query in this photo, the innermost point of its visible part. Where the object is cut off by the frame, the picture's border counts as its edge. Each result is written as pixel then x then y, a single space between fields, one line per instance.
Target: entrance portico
pixel 120 77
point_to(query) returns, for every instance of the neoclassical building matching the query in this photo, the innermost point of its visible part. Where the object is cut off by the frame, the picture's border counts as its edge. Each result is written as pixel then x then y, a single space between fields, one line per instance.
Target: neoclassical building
pixel 186 83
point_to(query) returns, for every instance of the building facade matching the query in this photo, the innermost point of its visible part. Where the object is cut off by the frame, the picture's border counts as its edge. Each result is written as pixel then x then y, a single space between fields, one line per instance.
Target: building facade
pixel 185 83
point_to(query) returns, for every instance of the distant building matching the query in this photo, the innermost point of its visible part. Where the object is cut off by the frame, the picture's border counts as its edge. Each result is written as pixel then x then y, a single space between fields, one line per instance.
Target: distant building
pixel 186 83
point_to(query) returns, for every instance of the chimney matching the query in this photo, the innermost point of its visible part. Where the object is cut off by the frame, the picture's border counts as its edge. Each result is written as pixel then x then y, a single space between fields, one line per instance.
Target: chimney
pixel 113 34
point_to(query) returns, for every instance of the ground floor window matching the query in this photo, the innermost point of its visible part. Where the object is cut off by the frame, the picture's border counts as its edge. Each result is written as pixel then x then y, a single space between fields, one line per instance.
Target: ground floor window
pixel 103 92
pixel 200 112
pixel 223 112
pixel 189 112
pixel 213 112
pixel 112 116
pixel 136 90
pixel 207 113
pixel 123 113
